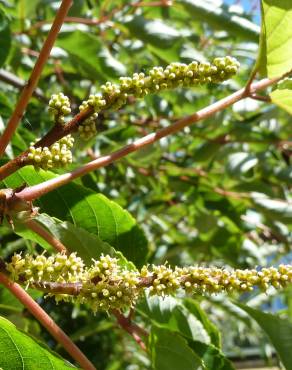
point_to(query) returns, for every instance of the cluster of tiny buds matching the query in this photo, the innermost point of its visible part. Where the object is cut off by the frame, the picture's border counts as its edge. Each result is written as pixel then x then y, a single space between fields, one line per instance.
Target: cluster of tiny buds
pixel 108 284
pixel 59 106
pixel 58 268
pixel 55 156
pixel 174 75
pixel 87 129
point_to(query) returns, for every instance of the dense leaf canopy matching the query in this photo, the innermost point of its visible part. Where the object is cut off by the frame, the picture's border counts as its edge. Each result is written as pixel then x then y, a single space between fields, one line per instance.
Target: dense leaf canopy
pixel 216 193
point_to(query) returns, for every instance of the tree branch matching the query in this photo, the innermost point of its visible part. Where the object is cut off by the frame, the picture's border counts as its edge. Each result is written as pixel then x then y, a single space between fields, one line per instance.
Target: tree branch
pixel 34 192
pixel 35 75
pixel 47 322
pixel 43 233
pixel 15 81
pixel 133 329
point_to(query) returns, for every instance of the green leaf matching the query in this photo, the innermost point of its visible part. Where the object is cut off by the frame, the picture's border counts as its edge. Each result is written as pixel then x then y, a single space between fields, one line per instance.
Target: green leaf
pixel 154 32
pixel 83 49
pixel 171 313
pixel 94 60
pixel 277 20
pixel 109 65
pixel 206 151
pixel 5 37
pixel 241 163
pixel 9 303
pixel 169 351
pixel 284 174
pixel 282 98
pixel 216 16
pixel 212 358
pixel 277 209
pixel 195 309
pixel 278 330
pixel 87 245
pixel 93 212
pixel 20 351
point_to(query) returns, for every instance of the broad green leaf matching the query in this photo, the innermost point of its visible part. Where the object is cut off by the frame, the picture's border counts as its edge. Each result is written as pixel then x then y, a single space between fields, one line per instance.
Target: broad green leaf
pixel 9 303
pixel 93 212
pixel 278 330
pixel 212 358
pixel 284 174
pixel 277 209
pixel 109 65
pixel 5 37
pixel 170 351
pixel 206 151
pixel 93 59
pixel 213 13
pixel 277 43
pixel 241 163
pixel 282 98
pixel 87 245
pixel 92 328
pixel 21 230
pixel 171 314
pixel 284 84
pixel 195 309
pixel 18 351
pixel 154 32
pixel 83 49
pixel 27 8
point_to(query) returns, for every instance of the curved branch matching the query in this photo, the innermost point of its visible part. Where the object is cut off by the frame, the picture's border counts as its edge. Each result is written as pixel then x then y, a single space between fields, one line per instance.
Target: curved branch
pixel 35 75
pixel 34 192
pixel 47 322
pixel 17 82
pixel 133 329
pixel 43 233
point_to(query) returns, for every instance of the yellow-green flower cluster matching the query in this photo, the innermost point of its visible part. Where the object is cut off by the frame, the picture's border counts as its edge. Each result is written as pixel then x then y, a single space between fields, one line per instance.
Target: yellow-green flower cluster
pixel 175 75
pixel 109 285
pixel 165 280
pixel 59 106
pixel 57 268
pixel 88 128
pixel 57 155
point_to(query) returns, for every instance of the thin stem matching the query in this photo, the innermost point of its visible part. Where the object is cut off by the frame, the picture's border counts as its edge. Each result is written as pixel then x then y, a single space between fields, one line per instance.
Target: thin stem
pixel 35 75
pixel 265 99
pixel 43 233
pixel 47 322
pixel 34 192
pixel 134 330
pixel 15 81
pixel 250 81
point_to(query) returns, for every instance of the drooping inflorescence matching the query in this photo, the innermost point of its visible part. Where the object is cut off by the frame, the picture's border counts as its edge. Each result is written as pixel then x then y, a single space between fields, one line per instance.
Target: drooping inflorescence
pixel 158 78
pixel 107 284
pixel 59 106
pixel 55 156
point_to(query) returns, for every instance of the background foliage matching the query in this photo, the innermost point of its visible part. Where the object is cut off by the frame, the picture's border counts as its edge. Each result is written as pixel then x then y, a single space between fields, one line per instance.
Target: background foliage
pixel 217 193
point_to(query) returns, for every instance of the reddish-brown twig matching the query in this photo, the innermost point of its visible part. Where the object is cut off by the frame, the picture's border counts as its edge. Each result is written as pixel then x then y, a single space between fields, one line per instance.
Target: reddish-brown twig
pixel 35 75
pixel 47 322
pixel 15 81
pixel 43 233
pixel 34 192
pixel 133 329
